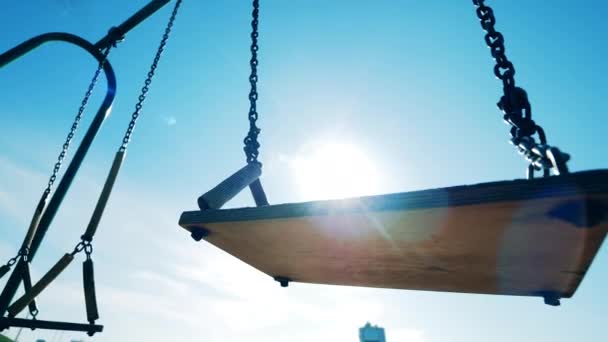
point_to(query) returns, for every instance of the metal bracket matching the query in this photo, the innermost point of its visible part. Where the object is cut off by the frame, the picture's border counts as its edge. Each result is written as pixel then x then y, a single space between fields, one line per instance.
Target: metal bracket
pixel 552 300
pixel 198 233
pixel 118 32
pixel 284 281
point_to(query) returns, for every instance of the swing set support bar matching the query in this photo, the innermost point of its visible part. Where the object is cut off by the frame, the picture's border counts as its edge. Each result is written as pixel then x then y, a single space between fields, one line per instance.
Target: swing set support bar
pixel 110 39
pixel 51 325
pixel 129 24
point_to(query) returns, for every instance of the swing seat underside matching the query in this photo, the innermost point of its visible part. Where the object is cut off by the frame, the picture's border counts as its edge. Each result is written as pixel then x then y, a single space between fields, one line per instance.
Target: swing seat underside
pixel 523 237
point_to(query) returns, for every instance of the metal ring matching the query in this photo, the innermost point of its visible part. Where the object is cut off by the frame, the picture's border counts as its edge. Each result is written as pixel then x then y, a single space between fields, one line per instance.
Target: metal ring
pixel 88 248
pixel 507 66
pixel 11 261
pixel 494 38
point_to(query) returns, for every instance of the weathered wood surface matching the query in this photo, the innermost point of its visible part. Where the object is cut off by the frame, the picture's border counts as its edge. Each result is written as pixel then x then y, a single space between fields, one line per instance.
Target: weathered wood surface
pixel 515 237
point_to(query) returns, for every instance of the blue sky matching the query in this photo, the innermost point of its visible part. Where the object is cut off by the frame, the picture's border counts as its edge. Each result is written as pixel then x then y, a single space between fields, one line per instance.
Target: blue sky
pixel 408 84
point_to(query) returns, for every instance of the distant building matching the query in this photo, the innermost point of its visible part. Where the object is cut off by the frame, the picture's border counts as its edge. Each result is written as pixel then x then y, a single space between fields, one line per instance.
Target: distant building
pixel 371 333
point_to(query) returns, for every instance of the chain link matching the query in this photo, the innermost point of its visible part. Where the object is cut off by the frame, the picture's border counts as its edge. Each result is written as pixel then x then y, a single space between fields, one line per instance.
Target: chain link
pixel 148 81
pixel 24 253
pixel 12 260
pixel 85 246
pixel 75 123
pixel 515 105
pixel 503 69
pixel 251 140
pixel 34 313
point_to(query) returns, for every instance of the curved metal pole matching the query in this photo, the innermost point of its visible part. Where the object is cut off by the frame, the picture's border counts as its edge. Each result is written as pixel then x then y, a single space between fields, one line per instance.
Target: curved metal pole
pixel 104 110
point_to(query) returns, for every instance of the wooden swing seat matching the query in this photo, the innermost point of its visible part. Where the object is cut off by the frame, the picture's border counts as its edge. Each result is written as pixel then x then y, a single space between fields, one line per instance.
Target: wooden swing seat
pixel 523 237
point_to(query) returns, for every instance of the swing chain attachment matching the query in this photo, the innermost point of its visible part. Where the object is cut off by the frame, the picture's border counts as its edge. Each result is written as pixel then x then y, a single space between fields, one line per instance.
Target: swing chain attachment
pixel 115 36
pixel 148 81
pixel 251 140
pixel 4 269
pixel 12 261
pixel 83 245
pixel 23 254
pixel 516 107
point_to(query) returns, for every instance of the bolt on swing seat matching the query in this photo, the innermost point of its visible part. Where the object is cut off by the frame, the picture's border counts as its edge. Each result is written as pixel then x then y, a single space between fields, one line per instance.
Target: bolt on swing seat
pixel 534 237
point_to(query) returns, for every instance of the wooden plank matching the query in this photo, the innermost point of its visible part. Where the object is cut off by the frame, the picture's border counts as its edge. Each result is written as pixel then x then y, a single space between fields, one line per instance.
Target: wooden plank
pixel 519 237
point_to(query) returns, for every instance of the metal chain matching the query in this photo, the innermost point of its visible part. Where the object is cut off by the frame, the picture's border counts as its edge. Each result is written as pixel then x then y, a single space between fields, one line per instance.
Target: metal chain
pixel 515 105
pixel 23 254
pixel 503 69
pixel 83 105
pixel 148 81
pixel 251 140
pixel 86 245
pixel 34 313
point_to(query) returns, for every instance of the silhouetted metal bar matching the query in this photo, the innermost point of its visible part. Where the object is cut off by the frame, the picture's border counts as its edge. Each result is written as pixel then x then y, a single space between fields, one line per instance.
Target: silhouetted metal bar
pixel 48 278
pixel 104 196
pixel 51 325
pixel 27 241
pixel 90 300
pixel 130 23
pixel 27 285
pixel 230 187
pixel 11 286
pixel 4 270
pixel 257 191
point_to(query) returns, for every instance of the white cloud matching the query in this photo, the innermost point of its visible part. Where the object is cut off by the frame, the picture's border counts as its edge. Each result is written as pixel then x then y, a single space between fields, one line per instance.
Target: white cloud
pixel 169 120
pixel 19 186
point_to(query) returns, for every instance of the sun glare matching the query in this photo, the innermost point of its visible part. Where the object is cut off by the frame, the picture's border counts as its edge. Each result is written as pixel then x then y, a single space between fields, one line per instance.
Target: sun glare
pixel 335 170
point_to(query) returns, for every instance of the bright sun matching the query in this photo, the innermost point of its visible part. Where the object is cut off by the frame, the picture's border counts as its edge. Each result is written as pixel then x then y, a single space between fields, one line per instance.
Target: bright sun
pixel 335 170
